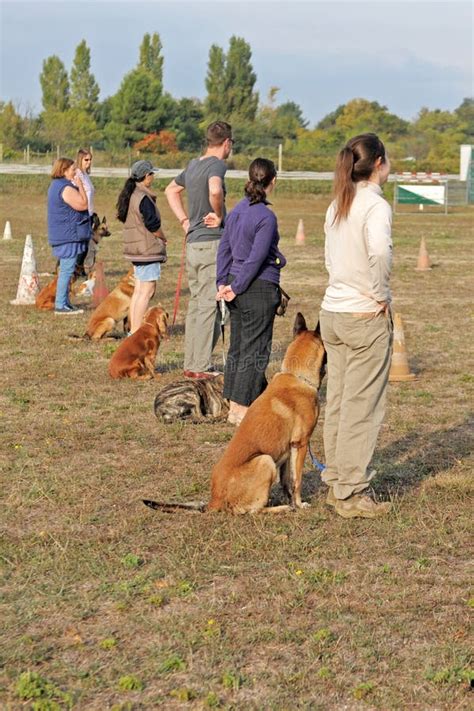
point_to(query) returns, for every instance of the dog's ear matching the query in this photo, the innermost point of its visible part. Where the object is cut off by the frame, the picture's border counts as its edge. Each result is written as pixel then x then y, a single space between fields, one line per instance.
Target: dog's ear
pixel 299 325
pixel 104 220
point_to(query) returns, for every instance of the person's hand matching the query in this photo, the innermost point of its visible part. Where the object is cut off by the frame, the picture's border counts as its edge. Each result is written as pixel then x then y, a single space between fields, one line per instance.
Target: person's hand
pixel 383 307
pixel 185 225
pixel 163 238
pixel 220 292
pixel 228 294
pixel 212 220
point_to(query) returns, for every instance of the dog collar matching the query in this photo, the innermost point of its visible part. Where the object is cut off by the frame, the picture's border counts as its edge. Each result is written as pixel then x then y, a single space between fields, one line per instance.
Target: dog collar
pixel 300 377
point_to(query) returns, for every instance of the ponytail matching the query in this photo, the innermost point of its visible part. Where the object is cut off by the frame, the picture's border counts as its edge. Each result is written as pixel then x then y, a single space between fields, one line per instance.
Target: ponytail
pixel 124 199
pixel 261 173
pixel 355 162
pixel 344 189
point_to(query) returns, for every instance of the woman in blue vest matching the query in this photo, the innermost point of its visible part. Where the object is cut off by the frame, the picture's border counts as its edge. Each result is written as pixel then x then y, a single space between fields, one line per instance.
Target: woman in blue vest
pixel 69 227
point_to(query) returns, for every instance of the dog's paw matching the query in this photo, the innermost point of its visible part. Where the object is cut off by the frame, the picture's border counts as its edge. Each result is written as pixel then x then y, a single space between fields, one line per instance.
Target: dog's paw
pixel 304 505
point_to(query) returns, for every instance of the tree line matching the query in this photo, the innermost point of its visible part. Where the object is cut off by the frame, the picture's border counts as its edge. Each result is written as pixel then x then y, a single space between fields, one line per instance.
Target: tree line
pixel 146 119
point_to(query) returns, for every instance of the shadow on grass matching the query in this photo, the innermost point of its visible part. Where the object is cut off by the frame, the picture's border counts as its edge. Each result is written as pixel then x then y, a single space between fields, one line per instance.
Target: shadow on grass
pixel 419 455
pixel 404 463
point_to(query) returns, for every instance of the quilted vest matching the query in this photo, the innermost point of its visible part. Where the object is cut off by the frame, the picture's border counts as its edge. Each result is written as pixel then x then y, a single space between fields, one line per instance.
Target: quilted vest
pixel 139 244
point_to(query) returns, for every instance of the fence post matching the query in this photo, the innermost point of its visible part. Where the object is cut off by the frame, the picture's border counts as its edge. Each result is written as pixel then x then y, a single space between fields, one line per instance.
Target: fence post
pixel 1 152
pixel 280 157
pixel 57 151
pixel 129 159
pixel 28 153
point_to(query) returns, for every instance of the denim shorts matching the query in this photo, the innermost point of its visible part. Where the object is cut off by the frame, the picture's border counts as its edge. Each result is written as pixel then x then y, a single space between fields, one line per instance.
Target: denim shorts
pixel 150 271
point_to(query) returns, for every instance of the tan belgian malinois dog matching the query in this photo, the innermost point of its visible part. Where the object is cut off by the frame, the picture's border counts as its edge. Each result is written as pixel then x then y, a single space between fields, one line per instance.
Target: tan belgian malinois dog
pixel 273 437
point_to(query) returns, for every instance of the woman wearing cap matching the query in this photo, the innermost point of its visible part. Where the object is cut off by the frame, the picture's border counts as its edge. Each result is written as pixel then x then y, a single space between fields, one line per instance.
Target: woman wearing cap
pixel 144 241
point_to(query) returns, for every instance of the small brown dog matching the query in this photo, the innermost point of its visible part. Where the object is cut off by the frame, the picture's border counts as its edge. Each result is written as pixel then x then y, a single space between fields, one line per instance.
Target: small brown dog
pixel 135 357
pixel 47 296
pixel 273 437
pixel 114 308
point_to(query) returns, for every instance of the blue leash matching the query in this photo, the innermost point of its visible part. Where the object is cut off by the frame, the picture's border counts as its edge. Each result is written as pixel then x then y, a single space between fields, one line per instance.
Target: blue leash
pixel 317 465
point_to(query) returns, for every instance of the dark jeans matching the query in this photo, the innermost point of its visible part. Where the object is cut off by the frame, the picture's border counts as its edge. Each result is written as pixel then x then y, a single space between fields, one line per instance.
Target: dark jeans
pixel 251 328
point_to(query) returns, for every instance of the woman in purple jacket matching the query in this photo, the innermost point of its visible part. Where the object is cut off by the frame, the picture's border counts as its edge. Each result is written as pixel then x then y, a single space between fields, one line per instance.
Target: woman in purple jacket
pixel 248 278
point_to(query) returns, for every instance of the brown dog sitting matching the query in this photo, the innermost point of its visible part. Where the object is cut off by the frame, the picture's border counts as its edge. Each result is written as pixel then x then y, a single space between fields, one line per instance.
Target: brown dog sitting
pixel 135 357
pixel 273 437
pixel 47 296
pixel 113 309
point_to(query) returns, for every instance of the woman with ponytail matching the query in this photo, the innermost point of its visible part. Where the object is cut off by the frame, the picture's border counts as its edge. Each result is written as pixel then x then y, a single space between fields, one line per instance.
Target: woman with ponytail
pixel 356 323
pixel 144 241
pixel 248 278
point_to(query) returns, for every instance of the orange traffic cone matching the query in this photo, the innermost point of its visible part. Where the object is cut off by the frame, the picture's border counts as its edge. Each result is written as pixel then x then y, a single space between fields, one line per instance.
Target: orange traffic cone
pixel 399 369
pixel 100 287
pixel 28 284
pixel 423 264
pixel 300 236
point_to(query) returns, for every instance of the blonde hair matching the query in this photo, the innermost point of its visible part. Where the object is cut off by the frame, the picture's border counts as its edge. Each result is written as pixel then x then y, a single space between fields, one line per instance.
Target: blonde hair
pixel 60 166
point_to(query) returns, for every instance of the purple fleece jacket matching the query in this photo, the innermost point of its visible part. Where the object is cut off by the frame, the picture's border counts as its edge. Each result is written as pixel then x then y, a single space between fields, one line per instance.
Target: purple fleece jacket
pixel 248 247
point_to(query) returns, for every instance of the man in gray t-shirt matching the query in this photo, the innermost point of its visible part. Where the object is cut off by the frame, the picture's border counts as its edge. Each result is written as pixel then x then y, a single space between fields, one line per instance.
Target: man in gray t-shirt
pixel 203 181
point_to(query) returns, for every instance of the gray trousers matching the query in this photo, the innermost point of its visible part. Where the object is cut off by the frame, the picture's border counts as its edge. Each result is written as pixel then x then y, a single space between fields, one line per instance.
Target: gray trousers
pixel 202 324
pixel 359 352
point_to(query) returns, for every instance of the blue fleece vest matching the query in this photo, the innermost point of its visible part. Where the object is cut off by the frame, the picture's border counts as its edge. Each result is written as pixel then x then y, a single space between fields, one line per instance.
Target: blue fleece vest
pixel 65 224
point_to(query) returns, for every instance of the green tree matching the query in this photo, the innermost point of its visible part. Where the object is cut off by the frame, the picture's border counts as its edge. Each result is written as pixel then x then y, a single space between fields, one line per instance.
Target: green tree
pixel 68 128
pixel 329 121
pixel 466 113
pixel 278 123
pixel 84 88
pixel 186 124
pixel 441 132
pixel 230 83
pixel 11 126
pixel 239 81
pixel 150 56
pixel 54 84
pixel 140 107
pixel 214 105
pixel 362 116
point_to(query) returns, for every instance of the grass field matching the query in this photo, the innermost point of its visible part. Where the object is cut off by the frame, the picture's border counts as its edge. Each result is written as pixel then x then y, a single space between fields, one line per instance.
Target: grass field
pixel 108 605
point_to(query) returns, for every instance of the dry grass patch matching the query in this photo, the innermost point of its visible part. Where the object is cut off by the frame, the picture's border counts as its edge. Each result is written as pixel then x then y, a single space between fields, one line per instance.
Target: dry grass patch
pixel 109 605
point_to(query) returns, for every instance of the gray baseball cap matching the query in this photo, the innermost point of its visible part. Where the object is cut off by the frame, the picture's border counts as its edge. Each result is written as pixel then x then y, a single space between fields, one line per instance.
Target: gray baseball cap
pixel 141 168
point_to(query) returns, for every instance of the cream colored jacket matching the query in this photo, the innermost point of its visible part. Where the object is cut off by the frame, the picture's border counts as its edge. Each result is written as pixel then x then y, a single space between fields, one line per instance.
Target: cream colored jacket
pixel 358 253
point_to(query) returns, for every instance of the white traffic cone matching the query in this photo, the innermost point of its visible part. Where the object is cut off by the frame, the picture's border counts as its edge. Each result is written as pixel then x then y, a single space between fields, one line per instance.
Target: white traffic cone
pixel 28 284
pixel 7 232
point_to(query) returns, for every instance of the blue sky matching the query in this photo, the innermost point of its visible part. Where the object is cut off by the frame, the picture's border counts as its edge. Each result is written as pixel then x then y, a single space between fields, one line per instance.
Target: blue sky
pixel 404 54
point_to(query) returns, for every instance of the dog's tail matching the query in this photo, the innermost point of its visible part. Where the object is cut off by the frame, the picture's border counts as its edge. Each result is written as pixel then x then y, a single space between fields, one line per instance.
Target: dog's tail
pixel 172 506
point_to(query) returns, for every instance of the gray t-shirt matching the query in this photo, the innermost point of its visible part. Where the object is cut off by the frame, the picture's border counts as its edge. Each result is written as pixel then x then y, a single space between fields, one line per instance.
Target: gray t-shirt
pixel 195 178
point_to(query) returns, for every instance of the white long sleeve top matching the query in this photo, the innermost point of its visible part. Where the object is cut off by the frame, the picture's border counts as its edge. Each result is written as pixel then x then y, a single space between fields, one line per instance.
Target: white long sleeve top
pixel 89 190
pixel 358 253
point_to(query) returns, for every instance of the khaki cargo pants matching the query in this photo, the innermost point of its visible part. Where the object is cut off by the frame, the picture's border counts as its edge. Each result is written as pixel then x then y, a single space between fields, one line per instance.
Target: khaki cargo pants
pixel 359 349
pixel 202 322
